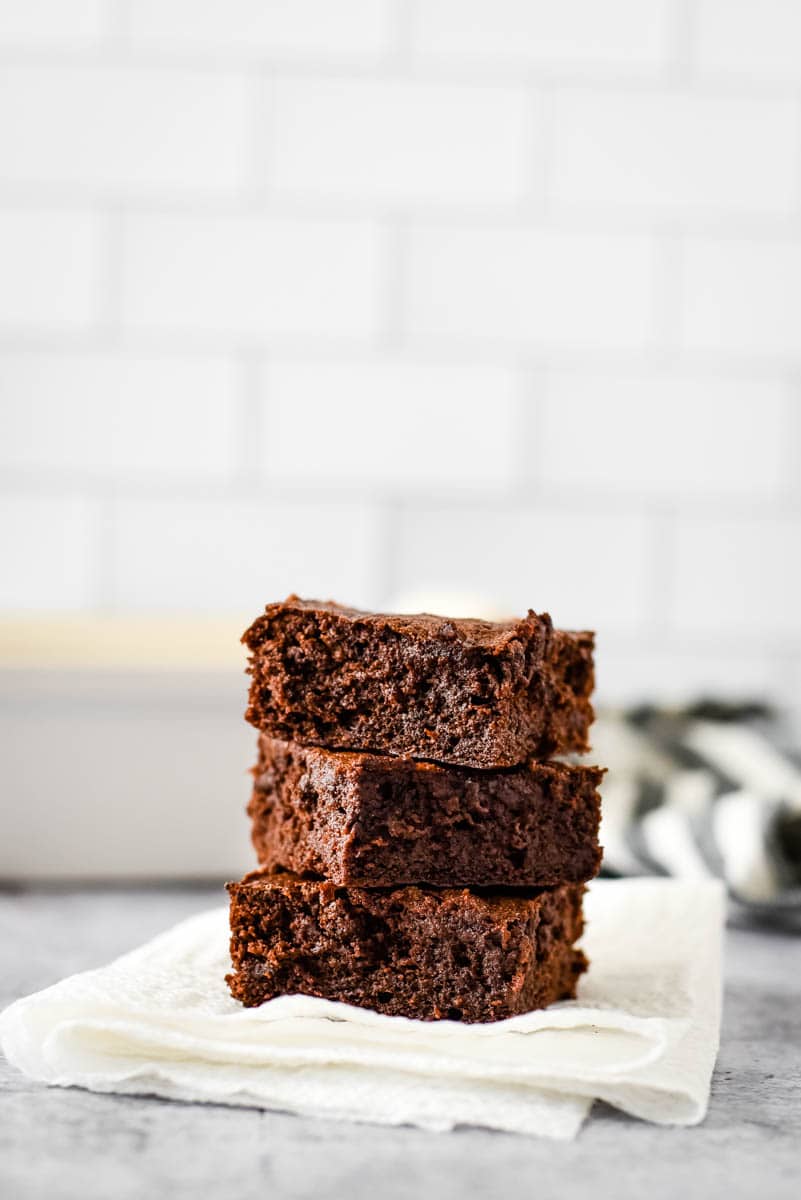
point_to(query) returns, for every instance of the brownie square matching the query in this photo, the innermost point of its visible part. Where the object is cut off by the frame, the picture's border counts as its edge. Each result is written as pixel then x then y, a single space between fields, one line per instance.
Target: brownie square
pixel 473 693
pixel 377 821
pixel 413 951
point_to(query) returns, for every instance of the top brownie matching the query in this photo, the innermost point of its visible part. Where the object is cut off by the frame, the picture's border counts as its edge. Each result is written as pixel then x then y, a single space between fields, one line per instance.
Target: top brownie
pixel 473 693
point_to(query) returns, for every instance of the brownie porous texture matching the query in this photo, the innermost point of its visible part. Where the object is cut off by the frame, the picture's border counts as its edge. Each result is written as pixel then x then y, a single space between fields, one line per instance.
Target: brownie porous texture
pixel 413 952
pixel 473 693
pixel 378 821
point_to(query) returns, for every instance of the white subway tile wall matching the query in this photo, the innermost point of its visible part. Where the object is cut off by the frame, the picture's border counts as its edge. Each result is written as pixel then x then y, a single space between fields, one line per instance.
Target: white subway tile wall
pixel 401 142
pixel 442 437
pixel 218 554
pixel 42 24
pixel 675 436
pixel 46 550
pixel 119 416
pixel 384 297
pixel 743 297
pixel 674 150
pixel 518 287
pixel 51 270
pixel 621 35
pixel 122 132
pixel 350 31
pixel 590 570
pixel 241 279
pixel 732 571
pixel 749 39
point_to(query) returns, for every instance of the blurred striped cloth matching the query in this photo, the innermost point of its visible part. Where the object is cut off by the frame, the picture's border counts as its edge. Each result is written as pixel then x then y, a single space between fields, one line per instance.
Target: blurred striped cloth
pixel 708 790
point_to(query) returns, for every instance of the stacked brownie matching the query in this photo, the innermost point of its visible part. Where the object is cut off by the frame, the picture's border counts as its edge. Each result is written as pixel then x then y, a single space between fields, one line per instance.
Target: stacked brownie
pixel 418 854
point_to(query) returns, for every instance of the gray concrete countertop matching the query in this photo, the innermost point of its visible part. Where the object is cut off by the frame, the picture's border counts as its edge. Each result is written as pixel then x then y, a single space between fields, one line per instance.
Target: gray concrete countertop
pixel 67 1143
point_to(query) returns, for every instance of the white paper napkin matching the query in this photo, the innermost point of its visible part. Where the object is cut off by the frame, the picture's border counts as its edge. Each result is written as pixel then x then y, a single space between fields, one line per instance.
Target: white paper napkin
pixel 643 1034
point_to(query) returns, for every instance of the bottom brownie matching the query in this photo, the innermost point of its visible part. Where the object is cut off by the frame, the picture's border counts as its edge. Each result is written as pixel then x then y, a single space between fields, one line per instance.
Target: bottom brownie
pixel 411 951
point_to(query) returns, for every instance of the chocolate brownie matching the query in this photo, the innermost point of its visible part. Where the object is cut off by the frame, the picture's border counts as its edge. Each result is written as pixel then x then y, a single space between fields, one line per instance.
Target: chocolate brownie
pixel 379 821
pixel 412 951
pixel 474 693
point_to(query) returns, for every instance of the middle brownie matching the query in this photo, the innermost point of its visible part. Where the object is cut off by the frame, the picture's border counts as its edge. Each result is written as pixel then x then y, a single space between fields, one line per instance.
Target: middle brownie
pixel 375 821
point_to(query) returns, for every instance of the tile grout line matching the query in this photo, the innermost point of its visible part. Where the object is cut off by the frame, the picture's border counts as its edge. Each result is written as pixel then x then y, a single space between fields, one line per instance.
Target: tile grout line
pixel 668 296
pixel 527 465
pixel 388 513
pixel 399 54
pixel 615 221
pixel 393 304
pixel 111 283
pixel 251 419
pixel 681 40
pixel 542 146
pixel 116 48
pixel 257 189
pixel 117 21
